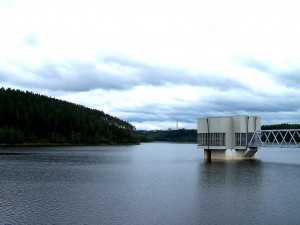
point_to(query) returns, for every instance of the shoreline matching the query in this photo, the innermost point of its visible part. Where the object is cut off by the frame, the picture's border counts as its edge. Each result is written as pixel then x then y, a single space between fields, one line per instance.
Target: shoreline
pixel 63 144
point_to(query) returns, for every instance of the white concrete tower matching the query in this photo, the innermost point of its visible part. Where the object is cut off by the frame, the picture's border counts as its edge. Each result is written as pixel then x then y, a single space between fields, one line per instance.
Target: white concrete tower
pixel 226 138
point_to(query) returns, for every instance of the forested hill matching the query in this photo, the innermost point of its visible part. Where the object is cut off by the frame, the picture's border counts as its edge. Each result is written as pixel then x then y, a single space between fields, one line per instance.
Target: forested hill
pixel 26 117
pixel 280 126
pixel 181 135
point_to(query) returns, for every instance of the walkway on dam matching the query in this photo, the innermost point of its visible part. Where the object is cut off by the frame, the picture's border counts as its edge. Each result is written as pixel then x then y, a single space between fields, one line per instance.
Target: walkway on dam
pixel 276 138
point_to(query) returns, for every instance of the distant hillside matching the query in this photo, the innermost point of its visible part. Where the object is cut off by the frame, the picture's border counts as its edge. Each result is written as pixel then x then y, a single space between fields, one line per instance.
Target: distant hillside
pixel 184 135
pixel 280 126
pixel 26 117
pixel 181 135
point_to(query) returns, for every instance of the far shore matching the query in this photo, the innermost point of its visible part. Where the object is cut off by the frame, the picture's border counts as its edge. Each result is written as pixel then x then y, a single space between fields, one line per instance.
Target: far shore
pixel 62 144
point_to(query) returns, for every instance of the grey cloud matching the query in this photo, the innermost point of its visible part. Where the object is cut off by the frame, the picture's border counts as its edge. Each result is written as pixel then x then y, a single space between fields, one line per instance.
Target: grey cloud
pixel 254 63
pixel 70 76
pixel 158 75
pixel 159 112
pixel 110 73
pixel 289 76
pixel 219 105
pixel 283 117
pixel 31 39
pixel 256 102
pixel 3 76
pixel 263 105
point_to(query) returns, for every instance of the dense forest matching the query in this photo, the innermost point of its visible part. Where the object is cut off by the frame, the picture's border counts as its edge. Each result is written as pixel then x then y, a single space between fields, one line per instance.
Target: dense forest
pixel 181 135
pixel 280 126
pixel 26 117
pixel 284 126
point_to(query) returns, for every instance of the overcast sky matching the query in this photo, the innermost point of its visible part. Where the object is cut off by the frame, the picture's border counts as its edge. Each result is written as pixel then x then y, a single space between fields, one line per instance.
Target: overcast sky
pixel 156 62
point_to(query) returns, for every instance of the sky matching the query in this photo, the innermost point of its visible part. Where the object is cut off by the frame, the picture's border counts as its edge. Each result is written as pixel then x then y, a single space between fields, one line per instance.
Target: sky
pixel 156 62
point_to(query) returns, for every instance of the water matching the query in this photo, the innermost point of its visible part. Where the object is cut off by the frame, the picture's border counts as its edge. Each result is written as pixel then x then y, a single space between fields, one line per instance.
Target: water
pixel 156 183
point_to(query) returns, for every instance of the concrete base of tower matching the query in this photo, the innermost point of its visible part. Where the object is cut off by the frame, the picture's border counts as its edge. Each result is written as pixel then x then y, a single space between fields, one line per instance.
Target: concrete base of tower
pixel 227 154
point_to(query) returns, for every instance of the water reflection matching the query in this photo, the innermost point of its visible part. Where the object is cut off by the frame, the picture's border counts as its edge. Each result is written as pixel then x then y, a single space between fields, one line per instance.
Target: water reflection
pixel 228 191
pixel 230 173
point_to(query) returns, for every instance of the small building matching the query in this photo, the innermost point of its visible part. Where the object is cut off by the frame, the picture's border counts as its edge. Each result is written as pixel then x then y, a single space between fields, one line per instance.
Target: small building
pixel 227 138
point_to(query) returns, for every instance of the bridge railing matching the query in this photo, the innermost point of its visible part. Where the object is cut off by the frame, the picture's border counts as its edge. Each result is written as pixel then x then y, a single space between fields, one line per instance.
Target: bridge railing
pixel 275 138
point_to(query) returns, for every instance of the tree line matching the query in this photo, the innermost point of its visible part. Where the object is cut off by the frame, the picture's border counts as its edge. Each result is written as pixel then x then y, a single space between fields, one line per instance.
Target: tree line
pixel 181 135
pixel 185 135
pixel 26 117
pixel 280 126
pixel 283 126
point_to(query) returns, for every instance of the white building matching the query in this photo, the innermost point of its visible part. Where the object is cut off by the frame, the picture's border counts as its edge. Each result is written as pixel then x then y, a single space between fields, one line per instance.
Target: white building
pixel 226 138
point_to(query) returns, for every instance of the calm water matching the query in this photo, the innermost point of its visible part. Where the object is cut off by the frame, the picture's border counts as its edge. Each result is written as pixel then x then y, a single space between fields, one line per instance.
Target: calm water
pixel 157 183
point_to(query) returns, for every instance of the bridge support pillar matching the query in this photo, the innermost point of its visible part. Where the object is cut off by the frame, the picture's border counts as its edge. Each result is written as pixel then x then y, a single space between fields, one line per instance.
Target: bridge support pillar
pixel 227 154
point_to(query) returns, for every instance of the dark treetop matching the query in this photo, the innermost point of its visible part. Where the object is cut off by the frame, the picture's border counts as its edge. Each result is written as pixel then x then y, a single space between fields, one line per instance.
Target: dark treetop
pixel 26 117
pixel 181 135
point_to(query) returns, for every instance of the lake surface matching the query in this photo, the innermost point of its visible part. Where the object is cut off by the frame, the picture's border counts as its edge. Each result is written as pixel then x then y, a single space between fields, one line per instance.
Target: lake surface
pixel 155 183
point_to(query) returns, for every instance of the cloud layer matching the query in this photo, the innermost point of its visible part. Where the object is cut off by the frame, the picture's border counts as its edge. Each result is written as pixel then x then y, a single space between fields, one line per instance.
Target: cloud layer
pixel 151 96
pixel 155 63
pixel 107 73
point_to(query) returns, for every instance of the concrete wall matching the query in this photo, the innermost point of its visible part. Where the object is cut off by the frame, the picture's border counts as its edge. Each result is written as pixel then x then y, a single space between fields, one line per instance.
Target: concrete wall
pixel 225 155
pixel 216 125
pixel 229 125
pixel 246 124
pixel 239 124
pixel 254 123
pixel 202 126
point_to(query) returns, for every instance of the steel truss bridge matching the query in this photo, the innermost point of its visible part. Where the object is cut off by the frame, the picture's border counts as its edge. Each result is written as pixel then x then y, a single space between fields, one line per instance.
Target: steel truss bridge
pixel 275 138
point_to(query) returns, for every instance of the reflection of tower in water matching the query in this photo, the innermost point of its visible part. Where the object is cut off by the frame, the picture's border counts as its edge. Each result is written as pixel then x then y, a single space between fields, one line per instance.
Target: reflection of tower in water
pixel 222 185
